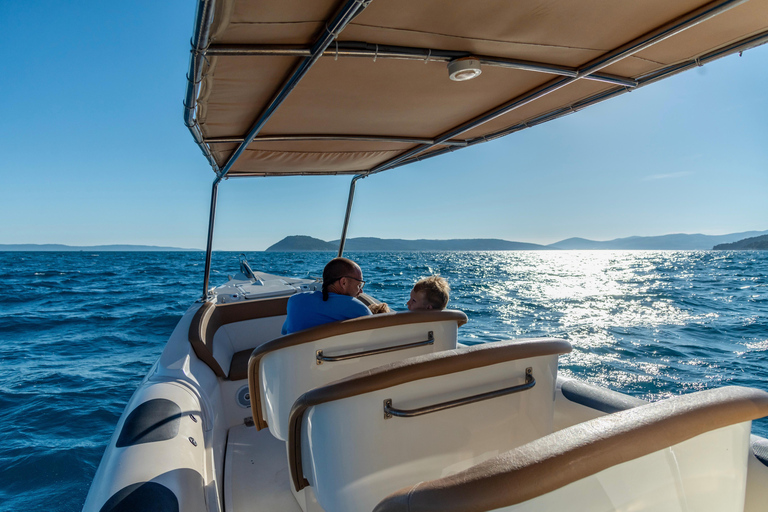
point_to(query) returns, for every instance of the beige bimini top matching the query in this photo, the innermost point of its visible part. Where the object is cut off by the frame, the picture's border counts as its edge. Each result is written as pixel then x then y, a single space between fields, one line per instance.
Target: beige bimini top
pixel 318 87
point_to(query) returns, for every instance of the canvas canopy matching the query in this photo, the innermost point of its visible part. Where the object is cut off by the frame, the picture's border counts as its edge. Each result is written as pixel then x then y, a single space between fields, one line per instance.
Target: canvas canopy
pixel 289 87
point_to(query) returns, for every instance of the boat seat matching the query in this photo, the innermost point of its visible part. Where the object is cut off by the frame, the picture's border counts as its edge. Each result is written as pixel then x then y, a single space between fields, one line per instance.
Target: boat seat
pixel 685 453
pixel 357 440
pixel 215 342
pixel 280 370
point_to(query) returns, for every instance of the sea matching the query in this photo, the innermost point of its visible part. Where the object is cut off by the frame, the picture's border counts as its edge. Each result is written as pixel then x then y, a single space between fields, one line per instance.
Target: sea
pixel 80 330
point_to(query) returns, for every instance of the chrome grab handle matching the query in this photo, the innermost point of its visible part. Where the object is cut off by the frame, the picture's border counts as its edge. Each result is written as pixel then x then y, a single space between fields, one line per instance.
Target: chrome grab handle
pixel 390 411
pixel 320 358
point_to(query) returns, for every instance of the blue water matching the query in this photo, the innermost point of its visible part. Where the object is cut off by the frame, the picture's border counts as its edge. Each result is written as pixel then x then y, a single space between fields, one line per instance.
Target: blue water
pixel 80 330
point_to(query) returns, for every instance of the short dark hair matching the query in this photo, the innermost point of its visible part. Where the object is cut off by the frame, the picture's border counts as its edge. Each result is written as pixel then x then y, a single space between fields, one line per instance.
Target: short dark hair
pixel 436 289
pixel 335 270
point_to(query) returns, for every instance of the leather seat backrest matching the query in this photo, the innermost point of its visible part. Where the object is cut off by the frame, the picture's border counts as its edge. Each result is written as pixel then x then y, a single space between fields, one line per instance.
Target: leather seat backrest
pixel 684 453
pixel 356 440
pixel 283 369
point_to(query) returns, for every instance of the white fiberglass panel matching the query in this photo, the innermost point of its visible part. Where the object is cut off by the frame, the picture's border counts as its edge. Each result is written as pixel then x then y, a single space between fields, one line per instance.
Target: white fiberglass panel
pixel 353 457
pixel 249 334
pixel 705 474
pixel 288 373
pixel 177 462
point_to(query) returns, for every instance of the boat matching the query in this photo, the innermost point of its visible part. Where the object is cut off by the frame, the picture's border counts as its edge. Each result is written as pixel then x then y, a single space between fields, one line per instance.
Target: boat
pixel 390 412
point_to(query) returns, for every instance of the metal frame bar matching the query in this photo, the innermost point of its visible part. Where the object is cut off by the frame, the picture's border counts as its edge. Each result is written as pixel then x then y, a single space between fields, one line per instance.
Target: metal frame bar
pixel 209 246
pixel 665 31
pixel 343 239
pixel 369 50
pixel 360 138
pixel 320 358
pixel 257 174
pixel 390 411
pixel 203 20
pixel 740 46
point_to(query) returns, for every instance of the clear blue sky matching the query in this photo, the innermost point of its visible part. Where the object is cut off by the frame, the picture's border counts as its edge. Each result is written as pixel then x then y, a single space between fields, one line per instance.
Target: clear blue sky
pixel 95 152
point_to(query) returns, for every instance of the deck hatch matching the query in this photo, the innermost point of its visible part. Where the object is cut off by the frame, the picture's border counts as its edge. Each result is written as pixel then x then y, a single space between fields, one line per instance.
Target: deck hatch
pixel 154 420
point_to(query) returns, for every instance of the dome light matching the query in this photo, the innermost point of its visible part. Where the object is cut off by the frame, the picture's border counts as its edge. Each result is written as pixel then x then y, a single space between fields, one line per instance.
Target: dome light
pixel 463 69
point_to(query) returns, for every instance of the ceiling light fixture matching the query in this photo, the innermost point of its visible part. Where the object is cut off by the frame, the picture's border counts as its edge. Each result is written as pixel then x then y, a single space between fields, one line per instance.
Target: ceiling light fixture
pixel 463 69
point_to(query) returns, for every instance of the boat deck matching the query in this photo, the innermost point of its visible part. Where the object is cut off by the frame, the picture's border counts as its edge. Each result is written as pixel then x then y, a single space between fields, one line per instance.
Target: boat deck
pixel 256 473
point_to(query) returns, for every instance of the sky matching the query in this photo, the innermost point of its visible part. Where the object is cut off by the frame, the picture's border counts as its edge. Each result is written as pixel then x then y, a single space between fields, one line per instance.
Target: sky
pixel 95 152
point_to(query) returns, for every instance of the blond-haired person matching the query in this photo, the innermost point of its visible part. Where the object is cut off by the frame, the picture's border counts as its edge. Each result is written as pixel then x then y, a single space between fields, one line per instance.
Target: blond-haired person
pixel 431 292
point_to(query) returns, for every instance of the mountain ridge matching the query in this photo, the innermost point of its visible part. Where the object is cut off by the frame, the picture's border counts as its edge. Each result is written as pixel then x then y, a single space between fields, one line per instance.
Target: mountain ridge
pixel 675 241
pixel 92 248
pixel 308 243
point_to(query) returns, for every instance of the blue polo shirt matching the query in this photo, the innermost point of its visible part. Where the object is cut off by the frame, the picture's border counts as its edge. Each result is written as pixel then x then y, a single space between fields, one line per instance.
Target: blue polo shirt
pixel 308 309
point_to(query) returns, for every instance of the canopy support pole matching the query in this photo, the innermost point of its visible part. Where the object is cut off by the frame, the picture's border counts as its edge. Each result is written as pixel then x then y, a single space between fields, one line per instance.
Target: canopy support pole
pixel 346 217
pixel 209 247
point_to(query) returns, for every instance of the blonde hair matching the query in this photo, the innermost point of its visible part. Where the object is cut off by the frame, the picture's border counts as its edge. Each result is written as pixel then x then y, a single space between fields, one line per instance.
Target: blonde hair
pixel 437 291
pixel 379 308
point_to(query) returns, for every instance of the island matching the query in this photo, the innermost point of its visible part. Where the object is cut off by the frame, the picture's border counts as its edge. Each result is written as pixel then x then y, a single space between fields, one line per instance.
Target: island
pixel 671 242
pixel 756 243
pixel 308 243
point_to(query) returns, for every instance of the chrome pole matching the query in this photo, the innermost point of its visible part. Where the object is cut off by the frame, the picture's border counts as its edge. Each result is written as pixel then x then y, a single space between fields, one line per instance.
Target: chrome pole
pixel 209 247
pixel 203 20
pixel 346 217
pixel 363 138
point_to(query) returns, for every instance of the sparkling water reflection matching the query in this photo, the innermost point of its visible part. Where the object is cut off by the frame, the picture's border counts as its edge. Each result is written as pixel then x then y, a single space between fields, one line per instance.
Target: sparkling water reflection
pixel 651 324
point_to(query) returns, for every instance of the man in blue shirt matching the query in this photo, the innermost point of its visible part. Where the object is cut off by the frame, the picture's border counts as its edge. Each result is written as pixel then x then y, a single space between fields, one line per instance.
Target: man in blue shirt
pixel 342 283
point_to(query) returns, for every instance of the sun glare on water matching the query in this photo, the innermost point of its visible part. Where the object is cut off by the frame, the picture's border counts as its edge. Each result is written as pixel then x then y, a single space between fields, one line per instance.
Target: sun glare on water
pixel 643 321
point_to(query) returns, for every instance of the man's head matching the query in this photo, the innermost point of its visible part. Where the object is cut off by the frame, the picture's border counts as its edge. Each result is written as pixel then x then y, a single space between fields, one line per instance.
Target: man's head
pixel 429 293
pixel 342 276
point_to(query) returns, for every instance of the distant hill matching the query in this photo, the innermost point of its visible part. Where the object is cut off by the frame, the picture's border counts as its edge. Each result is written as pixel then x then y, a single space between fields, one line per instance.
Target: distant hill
pixel 307 243
pixel 302 243
pixel 458 244
pixel 757 243
pixel 680 241
pixel 91 248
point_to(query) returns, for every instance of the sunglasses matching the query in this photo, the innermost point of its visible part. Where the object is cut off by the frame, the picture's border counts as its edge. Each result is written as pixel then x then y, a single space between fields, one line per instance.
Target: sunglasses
pixel 362 283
